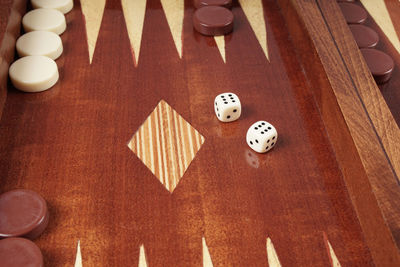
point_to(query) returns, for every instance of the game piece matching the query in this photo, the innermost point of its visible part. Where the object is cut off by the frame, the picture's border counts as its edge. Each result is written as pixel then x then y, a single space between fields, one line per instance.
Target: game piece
pixel 364 36
pixel 44 19
pixel 23 213
pixel 63 6
pixel 227 107
pixel 379 63
pixel 20 252
pixel 261 136
pixel 353 13
pixel 40 43
pixel 34 73
pixel 213 20
pixel 223 3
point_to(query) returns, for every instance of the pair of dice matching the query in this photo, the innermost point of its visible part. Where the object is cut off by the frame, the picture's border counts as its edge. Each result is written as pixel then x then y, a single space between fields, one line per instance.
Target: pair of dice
pixel 261 136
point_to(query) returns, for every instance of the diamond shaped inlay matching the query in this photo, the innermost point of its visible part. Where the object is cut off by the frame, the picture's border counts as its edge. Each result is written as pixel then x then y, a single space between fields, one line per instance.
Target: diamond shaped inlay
pixel 166 143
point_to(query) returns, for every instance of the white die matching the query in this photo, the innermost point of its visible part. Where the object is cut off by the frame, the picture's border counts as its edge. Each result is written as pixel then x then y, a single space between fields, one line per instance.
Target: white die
pixel 227 107
pixel 261 136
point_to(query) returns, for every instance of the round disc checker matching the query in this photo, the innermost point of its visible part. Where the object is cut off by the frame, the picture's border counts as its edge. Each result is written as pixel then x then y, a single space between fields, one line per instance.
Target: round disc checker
pixel 63 6
pixel 44 19
pixel 20 252
pixel 34 73
pixel 223 3
pixel 379 63
pixel 213 20
pixel 22 213
pixel 353 13
pixel 364 36
pixel 40 43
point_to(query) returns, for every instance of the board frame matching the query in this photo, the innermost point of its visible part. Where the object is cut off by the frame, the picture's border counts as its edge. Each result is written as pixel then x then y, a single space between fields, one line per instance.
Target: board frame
pixel 367 146
pixel 348 98
pixel 11 13
pixel 381 159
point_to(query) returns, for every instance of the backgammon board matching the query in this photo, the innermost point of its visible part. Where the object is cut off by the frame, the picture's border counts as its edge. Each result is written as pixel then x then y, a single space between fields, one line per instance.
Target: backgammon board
pixel 137 170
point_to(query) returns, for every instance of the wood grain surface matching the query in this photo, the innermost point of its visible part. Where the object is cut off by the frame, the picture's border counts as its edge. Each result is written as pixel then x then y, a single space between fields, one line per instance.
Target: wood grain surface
pixel 283 208
pixel 10 20
pixel 378 145
pixel 166 143
pixel 337 99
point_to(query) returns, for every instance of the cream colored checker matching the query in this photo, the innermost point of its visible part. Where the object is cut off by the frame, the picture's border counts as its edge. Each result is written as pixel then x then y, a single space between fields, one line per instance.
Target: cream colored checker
pixel 34 73
pixel 44 19
pixel 40 43
pixel 63 6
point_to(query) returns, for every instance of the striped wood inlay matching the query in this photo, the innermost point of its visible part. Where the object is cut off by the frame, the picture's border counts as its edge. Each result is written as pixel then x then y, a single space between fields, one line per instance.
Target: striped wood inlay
pixel 379 12
pixel 78 258
pixel 92 11
pixel 207 262
pixel 142 257
pixel 273 260
pixel 220 41
pixel 134 12
pixel 174 11
pixel 253 9
pixel 166 144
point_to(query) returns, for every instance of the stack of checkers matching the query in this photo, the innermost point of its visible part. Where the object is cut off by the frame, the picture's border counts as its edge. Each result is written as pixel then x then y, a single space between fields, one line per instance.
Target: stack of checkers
pixel 379 63
pixel 40 46
pixel 213 17
pixel 23 216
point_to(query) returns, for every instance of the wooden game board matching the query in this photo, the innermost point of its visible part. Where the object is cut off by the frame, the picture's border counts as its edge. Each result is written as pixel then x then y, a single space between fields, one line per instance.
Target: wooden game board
pixel 137 170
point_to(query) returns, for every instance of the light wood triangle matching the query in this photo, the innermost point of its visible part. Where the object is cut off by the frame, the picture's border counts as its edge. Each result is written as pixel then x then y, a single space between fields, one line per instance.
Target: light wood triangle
pixel 134 12
pixel 78 258
pixel 273 260
pixel 174 11
pixel 379 12
pixel 142 257
pixel 253 9
pixel 93 14
pixel 220 41
pixel 207 262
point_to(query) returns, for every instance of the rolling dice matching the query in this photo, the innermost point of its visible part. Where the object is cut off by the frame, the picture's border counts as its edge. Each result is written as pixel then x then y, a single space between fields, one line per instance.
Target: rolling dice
pixel 261 136
pixel 227 107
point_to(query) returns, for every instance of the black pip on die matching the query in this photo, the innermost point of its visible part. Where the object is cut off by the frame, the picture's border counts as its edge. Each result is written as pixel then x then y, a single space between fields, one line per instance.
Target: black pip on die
pixel 227 107
pixel 261 136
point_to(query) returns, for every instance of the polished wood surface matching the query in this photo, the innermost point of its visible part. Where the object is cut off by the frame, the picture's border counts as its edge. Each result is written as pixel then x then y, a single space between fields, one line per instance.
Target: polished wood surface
pixel 166 143
pixel 4 16
pixel 308 202
pixel 337 98
pixel 11 12
pixel 379 144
